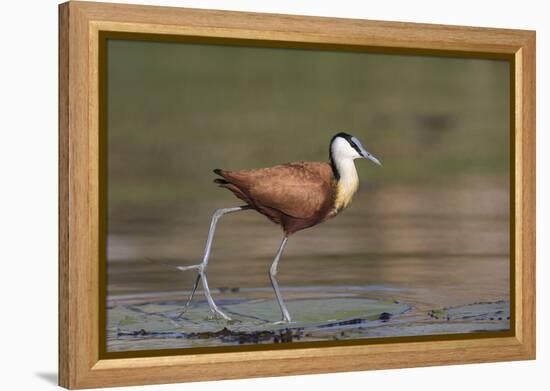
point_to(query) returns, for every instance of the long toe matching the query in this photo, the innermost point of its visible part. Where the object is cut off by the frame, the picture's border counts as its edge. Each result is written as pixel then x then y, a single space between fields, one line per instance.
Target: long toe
pixel 190 267
pixel 219 313
pixel 283 321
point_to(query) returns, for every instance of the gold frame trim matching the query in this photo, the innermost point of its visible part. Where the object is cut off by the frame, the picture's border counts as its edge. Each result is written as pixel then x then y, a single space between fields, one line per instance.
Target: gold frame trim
pixel 82 363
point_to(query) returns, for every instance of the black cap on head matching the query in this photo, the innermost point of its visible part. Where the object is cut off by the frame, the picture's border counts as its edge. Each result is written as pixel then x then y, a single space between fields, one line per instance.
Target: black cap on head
pixel 349 138
pixel 345 135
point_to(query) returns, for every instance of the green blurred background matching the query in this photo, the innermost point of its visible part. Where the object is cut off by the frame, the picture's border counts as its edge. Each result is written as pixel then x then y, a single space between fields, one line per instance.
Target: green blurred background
pixel 178 110
pixel 435 212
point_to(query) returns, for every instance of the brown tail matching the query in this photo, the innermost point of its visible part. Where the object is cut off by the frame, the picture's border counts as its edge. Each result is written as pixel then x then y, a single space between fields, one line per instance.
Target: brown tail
pixel 222 182
pixel 219 181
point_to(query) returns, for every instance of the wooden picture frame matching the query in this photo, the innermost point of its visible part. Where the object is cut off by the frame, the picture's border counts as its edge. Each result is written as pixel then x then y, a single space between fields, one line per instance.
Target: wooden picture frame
pixel 81 364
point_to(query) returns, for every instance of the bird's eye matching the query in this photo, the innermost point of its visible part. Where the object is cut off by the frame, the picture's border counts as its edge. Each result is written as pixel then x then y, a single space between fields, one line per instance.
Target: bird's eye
pixel 354 146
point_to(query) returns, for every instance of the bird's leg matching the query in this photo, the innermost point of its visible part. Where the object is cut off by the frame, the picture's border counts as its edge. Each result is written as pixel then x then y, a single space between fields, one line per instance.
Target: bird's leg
pixel 201 267
pixel 275 285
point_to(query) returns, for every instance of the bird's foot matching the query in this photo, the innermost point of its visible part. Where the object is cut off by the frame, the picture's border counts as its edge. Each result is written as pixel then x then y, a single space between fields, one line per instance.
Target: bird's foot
pixel 283 321
pixel 198 266
pixel 219 314
pixel 200 272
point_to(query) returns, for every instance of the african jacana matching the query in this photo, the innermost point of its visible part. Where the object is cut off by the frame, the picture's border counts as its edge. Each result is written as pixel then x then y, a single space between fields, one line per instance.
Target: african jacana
pixel 295 195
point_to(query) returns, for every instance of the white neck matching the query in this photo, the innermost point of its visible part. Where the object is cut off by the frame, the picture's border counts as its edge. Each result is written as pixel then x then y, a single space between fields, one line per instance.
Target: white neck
pixel 347 184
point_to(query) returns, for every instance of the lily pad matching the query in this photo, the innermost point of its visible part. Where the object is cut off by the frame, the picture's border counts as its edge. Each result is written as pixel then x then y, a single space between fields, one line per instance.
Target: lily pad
pixel 312 312
pixel 499 310
pixel 154 324
pixel 254 320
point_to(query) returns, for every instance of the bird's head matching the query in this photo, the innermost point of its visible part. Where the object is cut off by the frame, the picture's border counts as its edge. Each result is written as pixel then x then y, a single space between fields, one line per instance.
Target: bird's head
pixel 344 146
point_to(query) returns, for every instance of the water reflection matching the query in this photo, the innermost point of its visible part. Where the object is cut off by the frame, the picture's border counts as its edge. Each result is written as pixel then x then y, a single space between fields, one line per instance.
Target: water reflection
pixel 446 245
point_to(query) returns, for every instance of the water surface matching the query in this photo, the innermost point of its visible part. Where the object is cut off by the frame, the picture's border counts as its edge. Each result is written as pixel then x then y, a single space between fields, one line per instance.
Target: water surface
pixel 404 251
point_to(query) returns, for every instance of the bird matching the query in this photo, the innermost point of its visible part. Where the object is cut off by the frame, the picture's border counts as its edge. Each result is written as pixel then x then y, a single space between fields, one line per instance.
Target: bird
pixel 295 196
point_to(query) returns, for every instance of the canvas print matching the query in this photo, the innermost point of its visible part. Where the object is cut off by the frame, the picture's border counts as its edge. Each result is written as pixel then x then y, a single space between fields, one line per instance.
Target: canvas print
pixel 261 196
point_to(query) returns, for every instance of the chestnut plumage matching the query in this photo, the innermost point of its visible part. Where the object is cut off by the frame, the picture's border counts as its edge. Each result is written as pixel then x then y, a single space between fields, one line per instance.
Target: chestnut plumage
pixel 294 195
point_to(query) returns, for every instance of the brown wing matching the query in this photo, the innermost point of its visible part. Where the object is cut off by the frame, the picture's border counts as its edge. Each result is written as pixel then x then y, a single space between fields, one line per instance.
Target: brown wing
pixel 300 189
